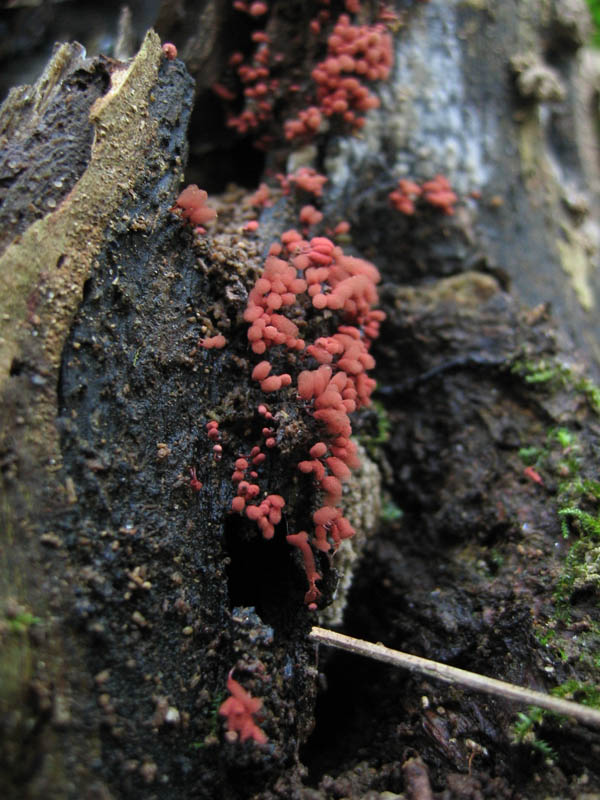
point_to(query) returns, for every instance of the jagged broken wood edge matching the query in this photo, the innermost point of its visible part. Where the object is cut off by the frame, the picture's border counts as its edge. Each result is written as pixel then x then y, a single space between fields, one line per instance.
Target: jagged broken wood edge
pixel 43 272
pixel 70 237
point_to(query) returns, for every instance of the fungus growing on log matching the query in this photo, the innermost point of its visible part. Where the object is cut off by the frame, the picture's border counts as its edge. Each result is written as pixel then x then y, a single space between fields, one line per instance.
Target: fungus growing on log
pixel 170 51
pixel 437 192
pixel 218 342
pixel 192 204
pixel 239 710
pixel 300 540
pixel 342 291
pixel 355 54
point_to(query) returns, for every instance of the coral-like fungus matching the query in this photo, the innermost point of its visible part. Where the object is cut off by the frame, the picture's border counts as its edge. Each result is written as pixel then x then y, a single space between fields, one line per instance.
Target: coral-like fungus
pixel 192 203
pixel 170 51
pixel 218 342
pixel 355 54
pixel 301 275
pixel 309 180
pixel 195 484
pixel 437 192
pixel 239 709
pixel 309 215
pixel 404 195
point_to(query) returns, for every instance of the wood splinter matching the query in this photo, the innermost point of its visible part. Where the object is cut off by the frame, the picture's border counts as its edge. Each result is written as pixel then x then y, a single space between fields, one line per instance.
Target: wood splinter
pixel 456 676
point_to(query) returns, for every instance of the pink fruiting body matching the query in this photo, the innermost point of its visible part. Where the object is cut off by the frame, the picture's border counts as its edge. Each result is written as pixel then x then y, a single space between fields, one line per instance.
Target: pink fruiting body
pixel 300 540
pixel 318 270
pixel 239 710
pixel 212 430
pixel 218 342
pixel 309 180
pixel 195 484
pixel 192 203
pixel 170 51
pixel 258 9
pixel 260 196
pixel 309 282
pixel 437 192
pixel 223 91
pixel 404 196
pixel 355 54
pixel 309 215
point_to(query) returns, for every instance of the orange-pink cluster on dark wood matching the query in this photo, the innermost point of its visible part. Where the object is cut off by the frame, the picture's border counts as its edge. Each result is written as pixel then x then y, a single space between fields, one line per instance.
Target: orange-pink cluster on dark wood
pixel 239 709
pixel 309 215
pixel 192 204
pixel 170 51
pixel 316 271
pixel 355 54
pixel 308 179
pixel 266 513
pixel 259 87
pixel 436 192
pixel 218 341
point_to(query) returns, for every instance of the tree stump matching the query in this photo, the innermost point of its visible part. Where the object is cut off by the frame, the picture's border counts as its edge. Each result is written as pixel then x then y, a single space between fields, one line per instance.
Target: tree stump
pixel 129 591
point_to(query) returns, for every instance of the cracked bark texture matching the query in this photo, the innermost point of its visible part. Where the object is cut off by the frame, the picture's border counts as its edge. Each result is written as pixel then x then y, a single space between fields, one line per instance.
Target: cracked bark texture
pixel 126 598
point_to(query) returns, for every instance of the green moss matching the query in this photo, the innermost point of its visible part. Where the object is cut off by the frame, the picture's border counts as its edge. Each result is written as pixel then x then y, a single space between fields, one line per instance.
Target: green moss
pixel 583 649
pixel 594 6
pixel 564 437
pixel 581 570
pixel 525 731
pixel 543 374
pixel 545 636
pixel 383 424
pixel 496 559
pixel 530 455
pixel 559 455
pixel 16 664
pixel 574 574
pixel 390 511
pixel 213 723
pixel 548 637
pixel 22 622
pixel 588 524
pixel 552 375
pixel 586 693
pixel 592 392
pixel 527 727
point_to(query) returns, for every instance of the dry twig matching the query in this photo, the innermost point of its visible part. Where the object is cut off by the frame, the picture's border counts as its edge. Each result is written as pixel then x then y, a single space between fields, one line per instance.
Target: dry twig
pixel 454 675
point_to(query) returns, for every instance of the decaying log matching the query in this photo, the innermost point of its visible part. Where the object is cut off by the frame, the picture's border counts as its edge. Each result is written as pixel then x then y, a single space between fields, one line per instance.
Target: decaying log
pixel 126 596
